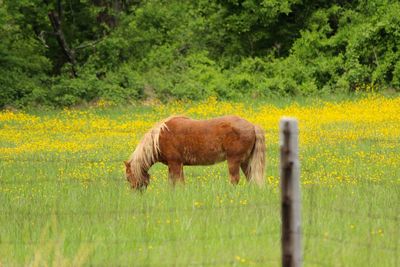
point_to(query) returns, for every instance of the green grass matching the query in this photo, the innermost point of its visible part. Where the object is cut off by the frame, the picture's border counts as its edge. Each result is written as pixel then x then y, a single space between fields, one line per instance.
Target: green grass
pixel 58 207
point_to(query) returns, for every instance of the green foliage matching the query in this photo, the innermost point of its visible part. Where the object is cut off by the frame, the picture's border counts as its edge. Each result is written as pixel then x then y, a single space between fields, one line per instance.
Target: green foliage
pixel 129 50
pixel 120 85
pixel 23 66
pixel 193 77
pixel 248 78
pixel 340 50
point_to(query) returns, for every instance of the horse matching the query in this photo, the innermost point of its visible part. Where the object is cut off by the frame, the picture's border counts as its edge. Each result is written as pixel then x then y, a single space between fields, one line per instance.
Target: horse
pixel 179 140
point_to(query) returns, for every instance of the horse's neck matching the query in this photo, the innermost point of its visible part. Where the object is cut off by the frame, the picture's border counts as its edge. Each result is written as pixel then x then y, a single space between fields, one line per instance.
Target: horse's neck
pixel 147 152
pixel 144 168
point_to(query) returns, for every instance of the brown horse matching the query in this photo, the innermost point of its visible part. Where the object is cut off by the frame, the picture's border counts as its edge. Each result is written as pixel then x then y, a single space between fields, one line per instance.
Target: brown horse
pixel 179 141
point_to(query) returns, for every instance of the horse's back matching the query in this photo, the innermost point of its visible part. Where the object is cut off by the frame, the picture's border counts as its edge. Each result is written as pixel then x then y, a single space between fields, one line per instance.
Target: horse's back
pixel 226 123
pixel 206 141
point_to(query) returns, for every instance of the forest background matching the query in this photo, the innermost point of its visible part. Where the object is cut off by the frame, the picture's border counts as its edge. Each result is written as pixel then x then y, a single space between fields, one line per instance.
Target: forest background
pixel 71 52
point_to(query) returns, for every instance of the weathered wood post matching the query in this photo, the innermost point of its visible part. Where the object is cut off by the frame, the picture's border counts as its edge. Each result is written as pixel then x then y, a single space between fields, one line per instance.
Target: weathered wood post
pixel 290 196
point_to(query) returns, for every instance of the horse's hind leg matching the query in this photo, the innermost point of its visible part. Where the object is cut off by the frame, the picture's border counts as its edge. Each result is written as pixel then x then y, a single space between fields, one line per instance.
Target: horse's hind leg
pixel 233 166
pixel 244 166
pixel 175 170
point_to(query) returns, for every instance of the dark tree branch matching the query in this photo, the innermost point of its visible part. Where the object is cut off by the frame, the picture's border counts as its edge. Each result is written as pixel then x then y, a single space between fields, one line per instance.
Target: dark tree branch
pixel 59 9
pixel 68 52
pixel 91 44
pixel 40 36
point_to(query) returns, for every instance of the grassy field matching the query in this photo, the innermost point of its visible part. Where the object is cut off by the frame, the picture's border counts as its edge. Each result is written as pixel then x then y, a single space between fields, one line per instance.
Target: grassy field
pixel 64 199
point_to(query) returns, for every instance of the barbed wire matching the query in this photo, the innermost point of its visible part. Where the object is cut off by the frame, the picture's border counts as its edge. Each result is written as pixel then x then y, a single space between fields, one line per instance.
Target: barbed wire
pixel 72 130
pixel 338 133
pixel 120 179
pixel 63 160
pixel 148 210
pixel 141 211
pixel 319 263
pixel 363 215
pixel 232 262
pixel 132 131
pixel 248 261
pixel 153 241
pixel 51 158
pixel 344 241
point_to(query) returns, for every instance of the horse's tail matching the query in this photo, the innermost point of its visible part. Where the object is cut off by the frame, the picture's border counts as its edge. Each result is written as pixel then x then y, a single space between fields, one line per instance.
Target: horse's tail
pixel 256 165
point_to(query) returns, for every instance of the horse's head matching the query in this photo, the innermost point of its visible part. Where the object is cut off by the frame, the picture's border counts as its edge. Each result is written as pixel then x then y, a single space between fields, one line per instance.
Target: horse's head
pixel 137 181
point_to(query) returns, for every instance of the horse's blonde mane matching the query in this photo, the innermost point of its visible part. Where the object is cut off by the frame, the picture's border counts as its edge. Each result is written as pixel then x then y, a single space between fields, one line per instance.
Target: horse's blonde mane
pixel 148 149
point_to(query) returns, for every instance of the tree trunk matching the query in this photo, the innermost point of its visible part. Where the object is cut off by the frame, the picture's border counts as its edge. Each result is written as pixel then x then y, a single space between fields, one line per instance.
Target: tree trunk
pixel 111 7
pixel 55 21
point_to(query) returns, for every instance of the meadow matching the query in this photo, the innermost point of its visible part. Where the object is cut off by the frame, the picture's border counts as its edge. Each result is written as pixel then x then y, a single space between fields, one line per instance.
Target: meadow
pixel 64 199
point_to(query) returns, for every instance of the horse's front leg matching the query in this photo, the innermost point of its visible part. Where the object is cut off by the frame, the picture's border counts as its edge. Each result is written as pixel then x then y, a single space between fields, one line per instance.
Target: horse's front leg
pixel 175 170
pixel 233 166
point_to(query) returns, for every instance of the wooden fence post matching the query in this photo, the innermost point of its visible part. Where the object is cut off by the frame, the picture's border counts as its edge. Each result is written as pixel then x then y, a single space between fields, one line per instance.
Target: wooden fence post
pixel 290 194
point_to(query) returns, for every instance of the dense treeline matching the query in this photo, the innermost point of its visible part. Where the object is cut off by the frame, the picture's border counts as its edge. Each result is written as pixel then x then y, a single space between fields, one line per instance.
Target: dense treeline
pixel 64 52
